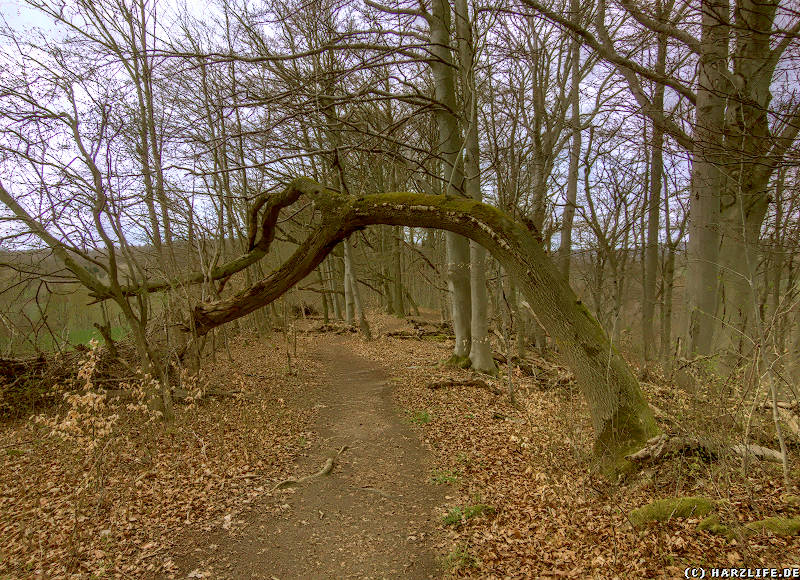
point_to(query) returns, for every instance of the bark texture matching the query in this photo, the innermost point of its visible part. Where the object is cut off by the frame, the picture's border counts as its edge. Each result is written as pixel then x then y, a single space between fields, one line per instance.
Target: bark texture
pixel 654 208
pixel 449 148
pixel 565 249
pixel 480 352
pixel 707 180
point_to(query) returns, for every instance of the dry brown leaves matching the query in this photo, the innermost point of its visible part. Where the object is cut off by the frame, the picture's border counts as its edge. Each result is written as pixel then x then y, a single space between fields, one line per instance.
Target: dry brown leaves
pixel 68 512
pixel 554 517
pixel 64 516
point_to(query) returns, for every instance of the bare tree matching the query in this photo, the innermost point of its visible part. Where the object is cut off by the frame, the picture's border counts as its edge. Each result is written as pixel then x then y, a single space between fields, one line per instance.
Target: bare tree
pixel 739 135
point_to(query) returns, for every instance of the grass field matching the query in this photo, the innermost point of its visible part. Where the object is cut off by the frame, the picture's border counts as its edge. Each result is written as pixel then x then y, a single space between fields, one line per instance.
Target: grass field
pixel 45 342
pixel 84 335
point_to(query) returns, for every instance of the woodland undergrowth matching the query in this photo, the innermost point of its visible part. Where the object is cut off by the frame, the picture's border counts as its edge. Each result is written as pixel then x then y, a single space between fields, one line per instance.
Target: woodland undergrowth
pixel 97 486
pixel 552 514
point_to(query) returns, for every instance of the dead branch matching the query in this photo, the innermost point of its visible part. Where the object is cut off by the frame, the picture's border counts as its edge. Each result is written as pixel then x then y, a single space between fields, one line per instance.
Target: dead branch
pixel 179 395
pixel 757 451
pixel 788 413
pixel 664 446
pixel 465 383
pixel 403 334
pixel 525 368
pixel 326 469
pixel 332 328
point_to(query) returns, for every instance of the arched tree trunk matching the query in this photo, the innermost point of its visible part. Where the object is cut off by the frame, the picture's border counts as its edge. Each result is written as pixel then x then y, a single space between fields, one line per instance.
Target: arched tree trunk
pixel 620 415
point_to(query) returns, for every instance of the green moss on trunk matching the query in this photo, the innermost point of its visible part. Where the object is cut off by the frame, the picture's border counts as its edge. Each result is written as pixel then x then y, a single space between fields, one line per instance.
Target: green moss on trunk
pixel 620 415
pixel 459 362
pixel 625 433
pixel 777 525
pixel 675 507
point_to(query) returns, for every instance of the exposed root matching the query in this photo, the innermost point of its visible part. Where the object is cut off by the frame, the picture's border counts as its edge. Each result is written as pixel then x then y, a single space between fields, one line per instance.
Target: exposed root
pixel 326 469
pixel 664 446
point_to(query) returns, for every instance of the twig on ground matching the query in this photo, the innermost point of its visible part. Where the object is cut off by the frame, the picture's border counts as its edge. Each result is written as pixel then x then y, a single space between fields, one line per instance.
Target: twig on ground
pixel 326 469
pixel 465 383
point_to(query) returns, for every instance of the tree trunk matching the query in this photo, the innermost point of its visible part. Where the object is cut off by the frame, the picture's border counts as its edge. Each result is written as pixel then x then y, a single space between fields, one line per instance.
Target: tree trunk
pixel 480 350
pixel 707 178
pixel 458 282
pixel 352 283
pixel 349 300
pixel 480 353
pixel 397 273
pixel 336 297
pixel 387 251
pixel 667 284
pixel 449 148
pixel 744 198
pixel 775 275
pixel 654 208
pixel 324 296
pixel 565 247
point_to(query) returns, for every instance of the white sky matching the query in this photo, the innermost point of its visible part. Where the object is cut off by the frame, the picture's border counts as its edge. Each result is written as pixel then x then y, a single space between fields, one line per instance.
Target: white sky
pixel 19 15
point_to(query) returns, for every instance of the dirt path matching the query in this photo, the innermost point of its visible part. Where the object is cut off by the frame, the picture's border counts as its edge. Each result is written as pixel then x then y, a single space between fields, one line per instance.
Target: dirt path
pixel 371 518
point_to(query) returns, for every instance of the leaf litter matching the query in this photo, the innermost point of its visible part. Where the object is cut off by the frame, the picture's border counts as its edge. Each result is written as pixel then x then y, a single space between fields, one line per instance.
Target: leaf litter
pixel 118 510
pixel 67 512
pixel 553 515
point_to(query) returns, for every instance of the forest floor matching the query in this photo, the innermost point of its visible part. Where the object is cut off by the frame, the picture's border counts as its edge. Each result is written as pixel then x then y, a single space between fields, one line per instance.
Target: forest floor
pixel 429 480
pixel 372 517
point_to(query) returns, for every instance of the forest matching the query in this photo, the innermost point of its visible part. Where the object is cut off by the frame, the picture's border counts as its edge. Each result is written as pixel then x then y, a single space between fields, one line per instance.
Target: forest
pixel 399 288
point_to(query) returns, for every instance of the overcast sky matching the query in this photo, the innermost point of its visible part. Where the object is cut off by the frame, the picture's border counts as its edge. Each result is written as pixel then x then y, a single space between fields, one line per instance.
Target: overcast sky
pixel 18 14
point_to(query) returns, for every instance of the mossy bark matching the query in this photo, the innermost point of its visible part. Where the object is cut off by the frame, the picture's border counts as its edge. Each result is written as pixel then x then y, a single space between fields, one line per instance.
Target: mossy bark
pixel 460 362
pixel 776 525
pixel 663 510
pixel 620 415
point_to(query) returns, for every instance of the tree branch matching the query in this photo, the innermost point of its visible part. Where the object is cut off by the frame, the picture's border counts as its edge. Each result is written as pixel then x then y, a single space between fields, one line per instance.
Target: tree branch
pixel 619 412
pixel 662 27
pixel 59 248
pixel 607 51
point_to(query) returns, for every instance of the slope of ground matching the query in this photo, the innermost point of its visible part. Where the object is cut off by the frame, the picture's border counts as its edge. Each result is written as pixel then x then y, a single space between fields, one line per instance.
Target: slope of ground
pixel 110 503
pixel 514 488
pixel 552 517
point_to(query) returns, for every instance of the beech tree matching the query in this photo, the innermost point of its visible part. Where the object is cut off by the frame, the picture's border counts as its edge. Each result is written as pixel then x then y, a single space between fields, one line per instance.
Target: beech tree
pixel 621 417
pixel 408 117
pixel 67 140
pixel 739 134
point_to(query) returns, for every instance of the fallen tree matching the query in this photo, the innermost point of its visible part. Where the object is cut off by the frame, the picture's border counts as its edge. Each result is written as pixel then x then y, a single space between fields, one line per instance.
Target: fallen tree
pixel 620 415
